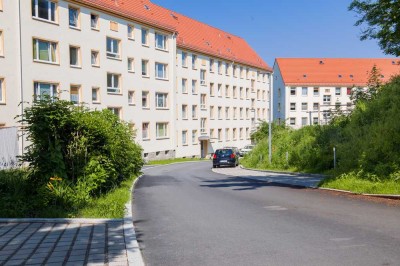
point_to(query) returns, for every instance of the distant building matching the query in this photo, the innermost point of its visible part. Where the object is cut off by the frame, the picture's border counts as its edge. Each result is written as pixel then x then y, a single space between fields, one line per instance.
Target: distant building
pixel 187 88
pixel 307 91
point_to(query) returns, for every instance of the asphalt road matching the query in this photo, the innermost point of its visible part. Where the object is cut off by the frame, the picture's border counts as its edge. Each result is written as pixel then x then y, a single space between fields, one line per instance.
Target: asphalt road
pixel 187 215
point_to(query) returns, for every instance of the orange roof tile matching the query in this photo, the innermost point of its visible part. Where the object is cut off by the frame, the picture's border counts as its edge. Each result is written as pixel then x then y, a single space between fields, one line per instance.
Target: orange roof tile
pixel 334 71
pixel 192 34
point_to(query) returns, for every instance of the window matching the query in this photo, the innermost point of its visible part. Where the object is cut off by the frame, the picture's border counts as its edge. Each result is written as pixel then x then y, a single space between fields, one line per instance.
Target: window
pixel 194 111
pixel 219 134
pixel 247 93
pixel 241 133
pixel 219 67
pixel 227 92
pixel 161 41
pixel 304 106
pixel 74 56
pixel 203 98
pixel 252 86
pixel 202 77
pixel 162 130
pixel 212 90
pixel 43 51
pixel 145 66
pixel 145 131
pixel 94 21
pixel 234 71
pixel 184 86
pixel 131 65
pixel 131 97
pixel 44 9
pixel 161 100
pixel 327 99
pixel 338 91
pixel 194 61
pixel 212 115
pixel 116 111
pixel 145 99
pixel 113 26
pixel 315 121
pixel 184 137
pixel 348 91
pixel 161 71
pixel 219 112
pixel 227 113
pixel 184 59
pixel 1 43
pixel 194 86
pixel 234 113
pixel 203 123
pixel 304 121
pixel 241 93
pixel 113 48
pixel 194 136
pixel 316 91
pixel 292 106
pixel 94 58
pixel 315 106
pixel 73 17
pixel 95 95
pixel 247 133
pixel 234 134
pixel 293 91
pixel 304 91
pixel 247 113
pixel 74 94
pixel 227 69
pixel 145 37
pixel 131 32
pixel 219 92
pixel 42 89
pixel 292 121
pixel 184 111
pixel 113 83
pixel 227 134
pixel 241 72
pixel 211 65
pixel 2 91
pixel 234 92
pixel 241 112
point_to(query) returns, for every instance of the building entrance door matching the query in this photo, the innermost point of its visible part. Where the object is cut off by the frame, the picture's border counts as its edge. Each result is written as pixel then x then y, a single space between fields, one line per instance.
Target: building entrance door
pixel 204 148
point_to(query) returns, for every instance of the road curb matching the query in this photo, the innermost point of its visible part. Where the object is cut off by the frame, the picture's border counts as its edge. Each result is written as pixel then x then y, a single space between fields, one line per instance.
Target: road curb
pixel 157 165
pixel 132 246
pixel 394 197
pixel 59 220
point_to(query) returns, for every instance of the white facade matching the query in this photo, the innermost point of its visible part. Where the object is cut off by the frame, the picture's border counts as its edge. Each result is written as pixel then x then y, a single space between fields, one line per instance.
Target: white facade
pixel 103 60
pixel 299 106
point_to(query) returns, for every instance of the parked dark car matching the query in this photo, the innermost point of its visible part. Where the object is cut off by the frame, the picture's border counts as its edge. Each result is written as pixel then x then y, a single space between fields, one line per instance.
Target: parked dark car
pixel 226 157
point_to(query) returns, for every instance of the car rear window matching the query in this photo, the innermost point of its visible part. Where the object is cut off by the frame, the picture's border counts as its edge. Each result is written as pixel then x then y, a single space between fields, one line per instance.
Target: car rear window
pixel 223 152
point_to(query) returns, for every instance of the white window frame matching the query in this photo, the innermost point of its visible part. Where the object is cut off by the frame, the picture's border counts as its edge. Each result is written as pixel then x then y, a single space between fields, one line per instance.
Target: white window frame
pixel 96 25
pixel 112 89
pixel 53 89
pixel 327 99
pixel 304 106
pixel 338 91
pixel 78 56
pixel 202 77
pixel 2 91
pixel 194 137
pixel 94 54
pixel 130 31
pixel 78 95
pixel 184 59
pixel 194 112
pixel 304 91
pixel 164 41
pixel 146 95
pixel 131 64
pixel 76 19
pixel 184 110
pixel 114 50
pixel 97 93
pixel 164 100
pixel 194 61
pixel 203 101
pixel 52 49
pixel 145 37
pixel 116 111
pixel 145 68
pixel 145 131
pixel 161 68
pixel 184 86
pixel 184 137
pixel 203 125
pixel 1 43
pixel 162 127
pixel 50 10
pixel 131 97
pixel 194 86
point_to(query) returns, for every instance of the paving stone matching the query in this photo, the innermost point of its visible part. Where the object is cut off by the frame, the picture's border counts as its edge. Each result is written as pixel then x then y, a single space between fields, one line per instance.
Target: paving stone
pixel 14 262
pixel 78 252
pixel 76 258
pixel 56 259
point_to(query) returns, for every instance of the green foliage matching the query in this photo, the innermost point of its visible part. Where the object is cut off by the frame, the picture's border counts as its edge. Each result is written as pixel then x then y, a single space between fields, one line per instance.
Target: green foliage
pixel 76 155
pixel 367 142
pixel 382 20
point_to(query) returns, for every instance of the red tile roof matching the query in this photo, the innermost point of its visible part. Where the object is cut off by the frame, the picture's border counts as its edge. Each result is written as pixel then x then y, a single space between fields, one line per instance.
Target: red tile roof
pixel 334 71
pixel 192 34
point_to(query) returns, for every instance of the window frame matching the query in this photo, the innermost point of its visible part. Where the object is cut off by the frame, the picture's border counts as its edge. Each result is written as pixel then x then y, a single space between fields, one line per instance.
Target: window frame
pixel 145 38
pixel 2 91
pixel 78 89
pixel 111 54
pixel 97 101
pixel 131 64
pixel 164 70
pixel 1 43
pixel 164 41
pixel 35 11
pixel 131 98
pixel 164 100
pixel 53 89
pixel 97 63
pixel 146 65
pixel 97 26
pixel 130 31
pixel 78 56
pixel 166 130
pixel 147 137
pixel 36 49
pixel 78 18
pixel 147 94
pixel 118 90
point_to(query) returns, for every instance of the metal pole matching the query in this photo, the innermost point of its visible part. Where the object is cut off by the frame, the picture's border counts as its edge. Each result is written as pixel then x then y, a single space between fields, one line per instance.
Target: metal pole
pixel 334 157
pixel 270 120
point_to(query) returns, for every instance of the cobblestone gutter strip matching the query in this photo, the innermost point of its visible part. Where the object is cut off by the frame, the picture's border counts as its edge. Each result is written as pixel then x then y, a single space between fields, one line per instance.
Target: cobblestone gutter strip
pixel 385 196
pixel 132 246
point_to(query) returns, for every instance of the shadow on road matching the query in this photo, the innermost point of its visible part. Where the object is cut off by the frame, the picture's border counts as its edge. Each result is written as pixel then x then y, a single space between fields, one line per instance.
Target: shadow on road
pixel 242 183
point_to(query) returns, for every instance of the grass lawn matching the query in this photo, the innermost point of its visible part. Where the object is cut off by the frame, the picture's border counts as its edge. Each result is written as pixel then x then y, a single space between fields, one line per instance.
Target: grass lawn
pixel 354 184
pixel 176 160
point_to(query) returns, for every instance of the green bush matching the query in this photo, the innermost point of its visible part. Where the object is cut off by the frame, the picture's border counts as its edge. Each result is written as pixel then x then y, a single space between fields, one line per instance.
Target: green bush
pixel 76 154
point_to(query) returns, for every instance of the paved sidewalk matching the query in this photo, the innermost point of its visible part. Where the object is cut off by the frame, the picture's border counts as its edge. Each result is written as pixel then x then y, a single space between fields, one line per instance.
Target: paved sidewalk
pixel 63 242
pixel 302 180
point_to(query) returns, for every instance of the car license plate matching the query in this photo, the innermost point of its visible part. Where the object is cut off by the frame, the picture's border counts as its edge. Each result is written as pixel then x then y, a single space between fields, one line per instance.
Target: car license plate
pixel 224 161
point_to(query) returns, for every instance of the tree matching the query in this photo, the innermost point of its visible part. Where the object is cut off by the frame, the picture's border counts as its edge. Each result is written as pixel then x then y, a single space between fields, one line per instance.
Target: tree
pixel 382 20
pixel 373 87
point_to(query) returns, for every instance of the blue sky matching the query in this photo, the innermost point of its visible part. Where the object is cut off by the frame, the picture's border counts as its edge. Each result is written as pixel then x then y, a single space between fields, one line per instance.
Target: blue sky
pixel 284 28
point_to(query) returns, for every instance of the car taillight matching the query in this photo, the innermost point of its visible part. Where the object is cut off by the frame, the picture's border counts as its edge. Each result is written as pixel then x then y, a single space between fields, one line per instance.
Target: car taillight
pixel 233 156
pixel 215 156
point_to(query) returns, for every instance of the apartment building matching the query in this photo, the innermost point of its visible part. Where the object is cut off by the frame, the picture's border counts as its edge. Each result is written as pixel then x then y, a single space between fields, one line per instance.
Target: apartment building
pixel 309 91
pixel 139 60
